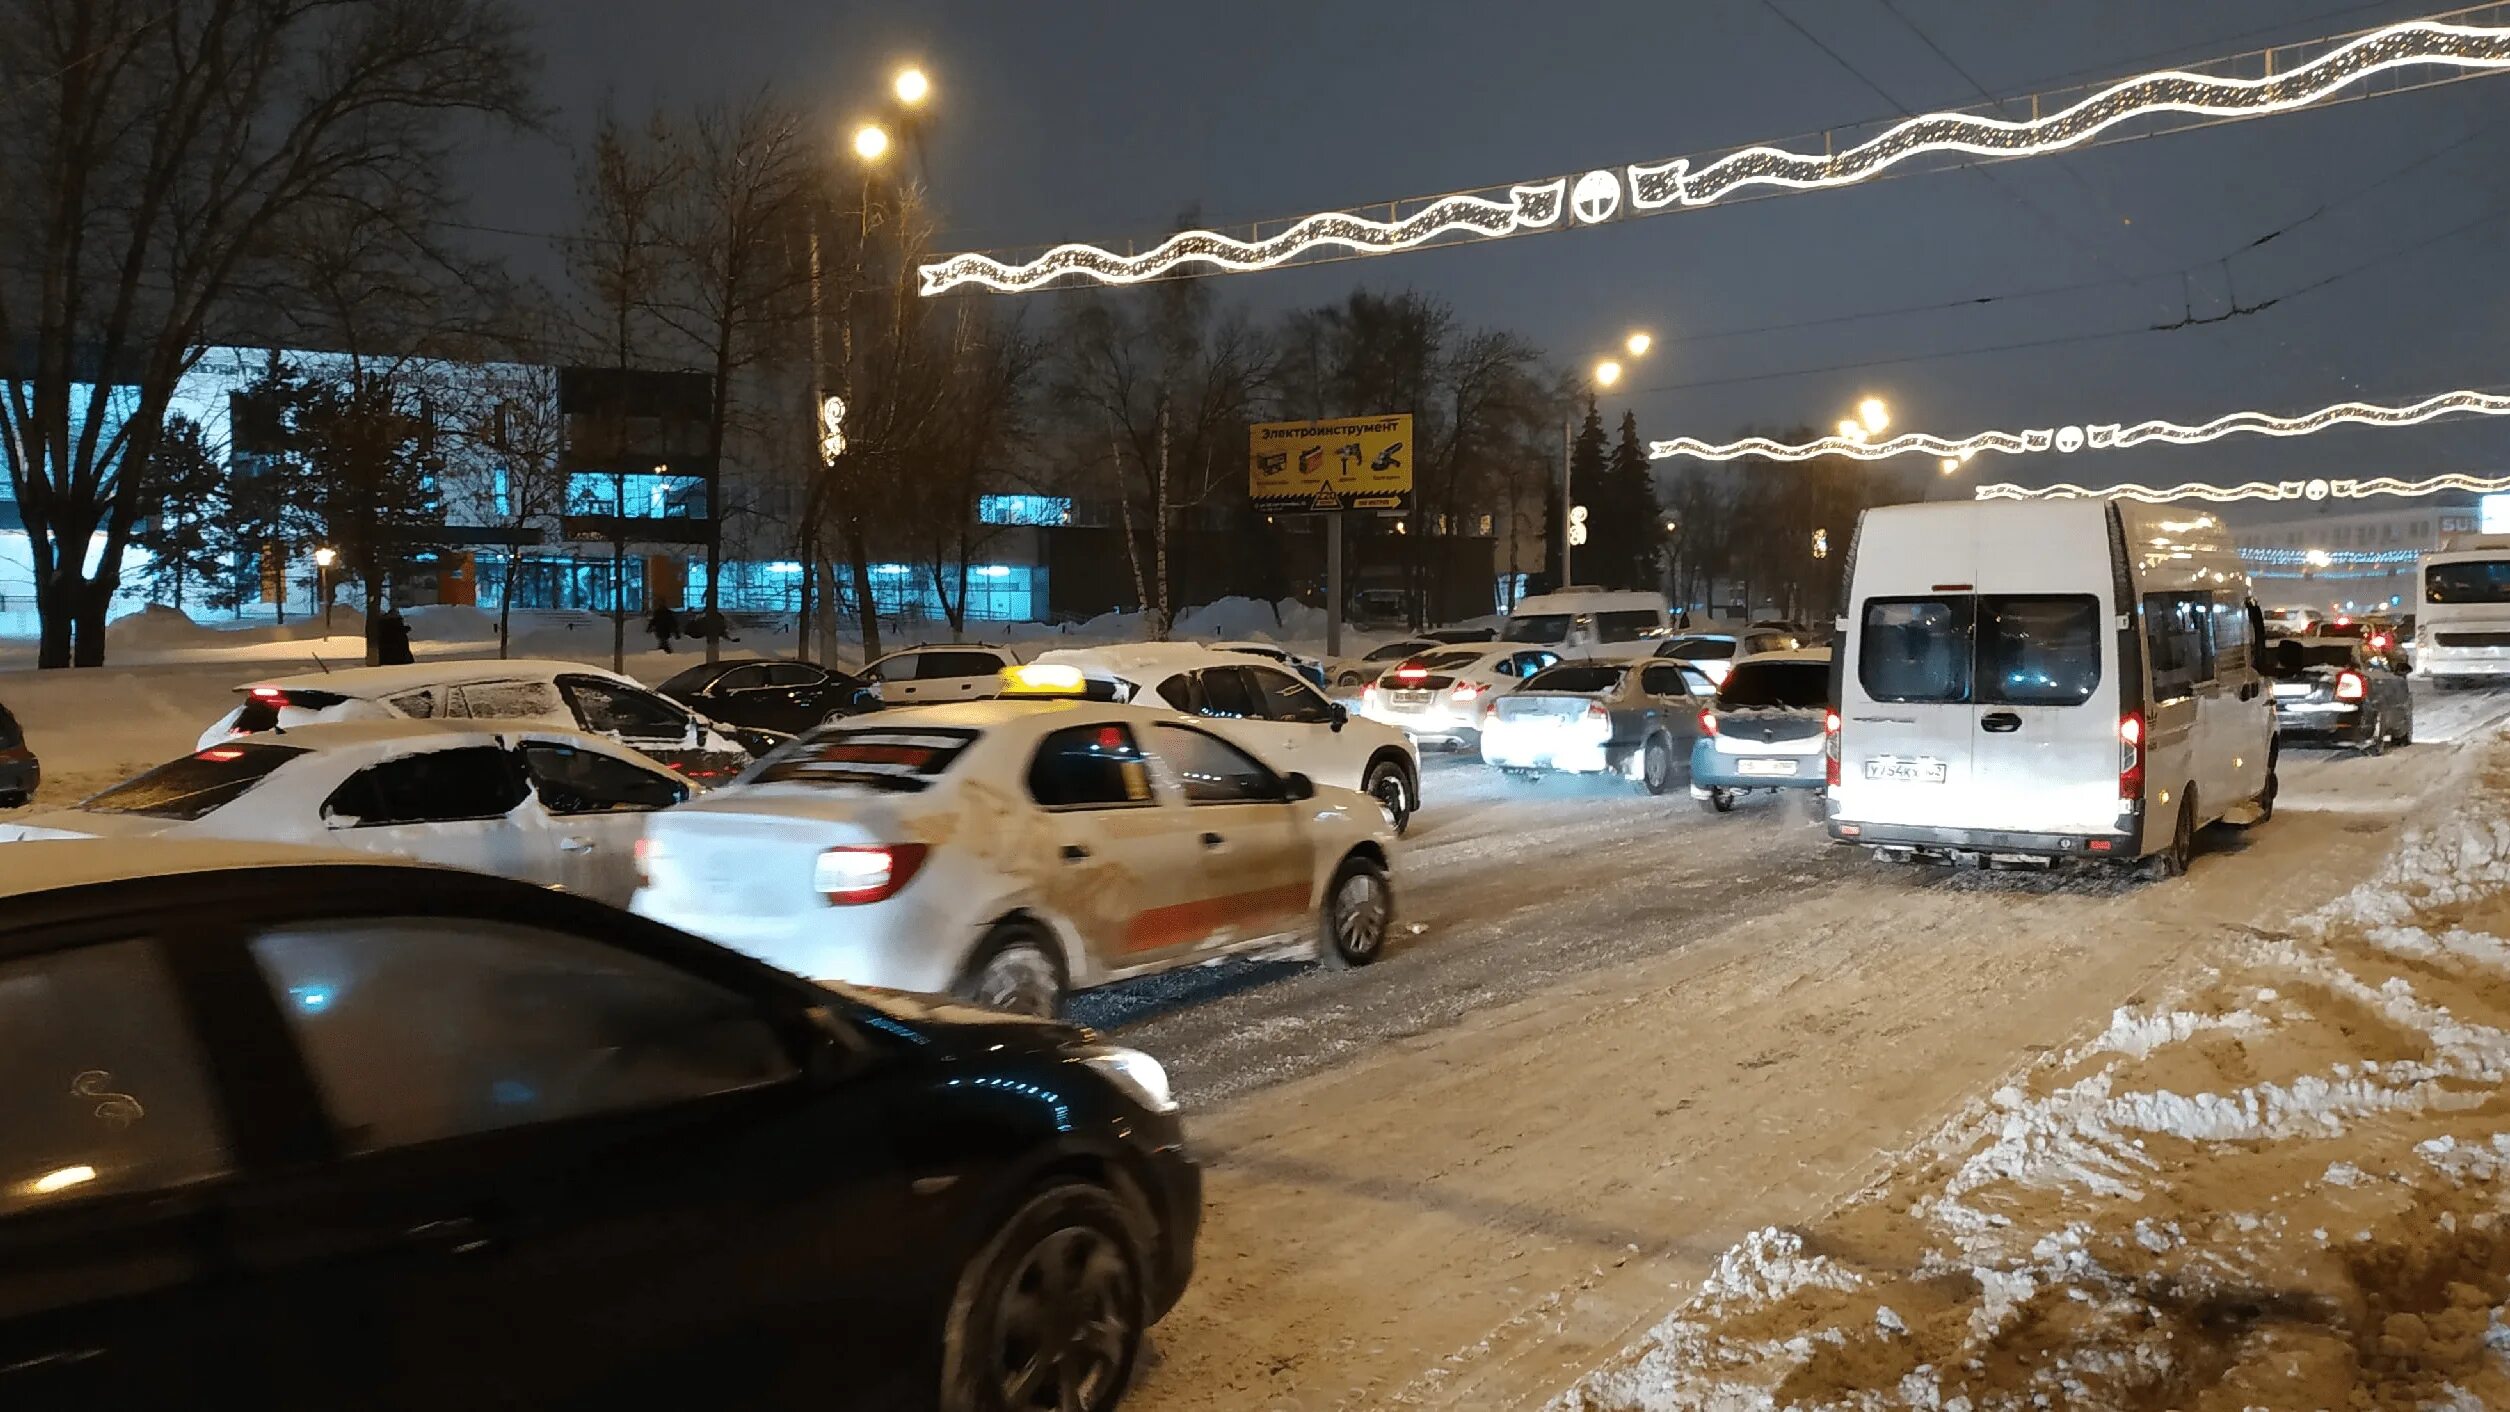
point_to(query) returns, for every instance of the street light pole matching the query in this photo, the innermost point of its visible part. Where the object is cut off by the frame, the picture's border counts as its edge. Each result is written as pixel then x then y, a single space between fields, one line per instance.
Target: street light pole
pixel 1566 508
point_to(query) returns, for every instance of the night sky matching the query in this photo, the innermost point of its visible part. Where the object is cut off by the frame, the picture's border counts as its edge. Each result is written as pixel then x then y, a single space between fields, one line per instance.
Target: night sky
pixel 1103 121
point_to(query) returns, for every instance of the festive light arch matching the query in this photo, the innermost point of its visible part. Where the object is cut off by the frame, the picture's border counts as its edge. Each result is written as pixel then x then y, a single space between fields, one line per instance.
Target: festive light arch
pixel 2098 436
pixel 1599 195
pixel 2312 489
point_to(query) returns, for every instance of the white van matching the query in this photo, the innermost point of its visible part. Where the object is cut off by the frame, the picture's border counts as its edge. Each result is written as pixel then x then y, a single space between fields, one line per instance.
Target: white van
pixel 1582 622
pixel 2047 680
pixel 2462 611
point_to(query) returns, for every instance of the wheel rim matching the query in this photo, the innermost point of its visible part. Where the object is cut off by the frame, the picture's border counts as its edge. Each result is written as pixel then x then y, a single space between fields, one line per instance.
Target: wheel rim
pixel 1359 914
pixel 1387 789
pixel 1019 979
pixel 1065 1326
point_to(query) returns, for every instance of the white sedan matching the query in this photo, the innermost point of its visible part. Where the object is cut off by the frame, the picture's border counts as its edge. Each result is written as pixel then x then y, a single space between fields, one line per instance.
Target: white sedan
pixel 1257 705
pixel 1446 693
pixel 559 808
pixel 1010 851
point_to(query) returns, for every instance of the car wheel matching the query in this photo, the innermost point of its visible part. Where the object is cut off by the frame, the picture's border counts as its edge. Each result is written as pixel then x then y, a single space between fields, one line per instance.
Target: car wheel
pixel 1655 766
pixel 2172 861
pixel 1386 785
pixel 2374 736
pixel 12 799
pixel 1050 1314
pixel 2405 733
pixel 1348 679
pixel 1357 915
pixel 1717 801
pixel 835 716
pixel 1015 970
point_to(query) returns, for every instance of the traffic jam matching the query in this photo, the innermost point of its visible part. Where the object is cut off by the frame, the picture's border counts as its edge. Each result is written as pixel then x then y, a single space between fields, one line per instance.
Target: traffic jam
pixel 773 888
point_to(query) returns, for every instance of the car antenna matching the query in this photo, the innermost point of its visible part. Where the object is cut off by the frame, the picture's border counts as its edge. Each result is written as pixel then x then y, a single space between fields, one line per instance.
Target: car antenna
pixel 316 659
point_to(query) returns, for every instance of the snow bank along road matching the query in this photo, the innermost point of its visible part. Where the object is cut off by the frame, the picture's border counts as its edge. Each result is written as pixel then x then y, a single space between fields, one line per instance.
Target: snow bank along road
pixel 1628 1036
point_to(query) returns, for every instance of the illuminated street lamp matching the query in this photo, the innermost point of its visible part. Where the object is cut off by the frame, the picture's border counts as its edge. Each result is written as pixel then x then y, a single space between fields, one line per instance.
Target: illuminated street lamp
pixel 911 86
pixel 1607 373
pixel 871 142
pixel 1638 344
pixel 1873 413
pixel 324 558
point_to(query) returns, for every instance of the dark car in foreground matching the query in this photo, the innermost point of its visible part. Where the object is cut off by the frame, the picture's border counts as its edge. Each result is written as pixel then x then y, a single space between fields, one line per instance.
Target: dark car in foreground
pixel 20 772
pixel 288 1133
pixel 2337 691
pixel 762 693
pixel 1767 729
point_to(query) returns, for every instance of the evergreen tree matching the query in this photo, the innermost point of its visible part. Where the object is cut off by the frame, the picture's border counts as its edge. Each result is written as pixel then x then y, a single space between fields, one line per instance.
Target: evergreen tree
pixel 1626 526
pixel 261 513
pixel 182 503
pixel 1586 487
pixel 370 486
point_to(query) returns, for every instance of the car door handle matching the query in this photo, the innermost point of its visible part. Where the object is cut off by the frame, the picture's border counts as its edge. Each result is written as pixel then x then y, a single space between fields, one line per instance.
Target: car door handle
pixel 1074 853
pixel 1215 841
pixel 2001 722
pixel 575 845
pixel 457 1235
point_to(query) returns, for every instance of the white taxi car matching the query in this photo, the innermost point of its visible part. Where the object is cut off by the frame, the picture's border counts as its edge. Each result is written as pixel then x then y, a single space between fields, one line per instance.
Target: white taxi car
pixel 1011 851
pixel 559 808
pixel 1444 694
pixel 1261 708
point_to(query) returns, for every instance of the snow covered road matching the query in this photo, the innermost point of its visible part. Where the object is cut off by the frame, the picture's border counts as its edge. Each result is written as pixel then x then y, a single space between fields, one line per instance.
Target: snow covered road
pixel 1629 1035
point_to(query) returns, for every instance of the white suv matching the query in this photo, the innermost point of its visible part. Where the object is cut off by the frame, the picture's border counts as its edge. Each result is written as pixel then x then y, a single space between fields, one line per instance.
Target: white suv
pixel 924 676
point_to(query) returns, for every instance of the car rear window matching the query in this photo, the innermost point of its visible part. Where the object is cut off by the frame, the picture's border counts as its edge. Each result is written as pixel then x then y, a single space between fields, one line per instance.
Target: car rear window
pixel 882 759
pixel 2291 657
pixel 2361 630
pixel 1791 685
pixel 1542 627
pixel 1583 678
pixel 193 786
pixel 1995 649
pixel 1699 649
pixel 1625 625
pixel 1449 661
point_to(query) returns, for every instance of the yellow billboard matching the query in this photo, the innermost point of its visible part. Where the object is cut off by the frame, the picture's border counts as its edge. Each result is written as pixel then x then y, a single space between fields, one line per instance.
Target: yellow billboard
pixel 1352 463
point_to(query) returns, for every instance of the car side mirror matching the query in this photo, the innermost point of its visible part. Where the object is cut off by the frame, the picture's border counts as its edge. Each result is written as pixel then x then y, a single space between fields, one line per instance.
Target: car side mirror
pixel 1341 715
pixel 1297 787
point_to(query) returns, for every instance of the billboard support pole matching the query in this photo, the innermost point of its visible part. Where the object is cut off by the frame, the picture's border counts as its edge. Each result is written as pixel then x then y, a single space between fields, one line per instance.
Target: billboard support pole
pixel 1333 584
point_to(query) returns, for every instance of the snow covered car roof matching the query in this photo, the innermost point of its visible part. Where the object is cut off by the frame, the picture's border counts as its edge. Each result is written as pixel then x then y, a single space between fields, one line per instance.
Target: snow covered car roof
pixel 1794 654
pixel 1144 664
pixel 371 682
pixel 47 865
pixel 428 733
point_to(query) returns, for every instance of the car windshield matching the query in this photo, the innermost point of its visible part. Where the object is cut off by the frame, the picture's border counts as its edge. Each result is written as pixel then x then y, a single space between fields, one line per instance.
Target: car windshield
pixel 1580 678
pixel 1699 649
pixel 193 786
pixel 878 759
pixel 1541 627
pixel 2474 581
pixel 692 680
pixel 1796 686
pixel 1393 651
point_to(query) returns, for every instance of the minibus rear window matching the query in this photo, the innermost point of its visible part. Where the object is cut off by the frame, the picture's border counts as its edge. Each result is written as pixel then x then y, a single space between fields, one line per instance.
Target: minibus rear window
pixel 1916 649
pixel 1994 649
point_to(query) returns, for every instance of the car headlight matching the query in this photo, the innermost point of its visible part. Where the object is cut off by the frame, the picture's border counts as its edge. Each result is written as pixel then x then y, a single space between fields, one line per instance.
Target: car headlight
pixel 1139 1075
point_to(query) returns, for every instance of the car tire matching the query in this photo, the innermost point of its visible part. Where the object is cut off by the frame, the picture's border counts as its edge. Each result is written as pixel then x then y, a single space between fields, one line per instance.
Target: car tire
pixel 1717 801
pixel 835 716
pixel 2405 733
pixel 2374 736
pixel 13 799
pixel 1016 968
pixel 1386 784
pixel 1655 767
pixel 1357 915
pixel 1067 1271
pixel 2172 860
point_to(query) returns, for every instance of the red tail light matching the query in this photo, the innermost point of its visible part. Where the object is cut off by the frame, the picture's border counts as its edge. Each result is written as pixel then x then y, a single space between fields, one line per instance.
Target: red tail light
pixel 1595 712
pixel 2380 641
pixel 2351 686
pixel 221 754
pixel 2130 760
pixel 1410 673
pixel 1464 692
pixel 1707 723
pixel 857 874
pixel 1830 749
pixel 1830 723
pixel 1368 697
pixel 269 693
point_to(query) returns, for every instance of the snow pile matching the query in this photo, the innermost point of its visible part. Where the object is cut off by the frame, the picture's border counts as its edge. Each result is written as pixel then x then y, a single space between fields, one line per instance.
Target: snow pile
pixel 2286 1187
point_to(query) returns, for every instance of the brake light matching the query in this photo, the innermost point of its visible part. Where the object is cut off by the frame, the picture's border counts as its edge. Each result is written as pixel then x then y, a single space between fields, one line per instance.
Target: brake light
pixel 269 693
pixel 1830 723
pixel 1410 673
pixel 221 754
pixel 1464 692
pixel 1707 723
pixel 2350 686
pixel 2379 640
pixel 1368 697
pixel 1830 751
pixel 857 874
pixel 648 854
pixel 2130 761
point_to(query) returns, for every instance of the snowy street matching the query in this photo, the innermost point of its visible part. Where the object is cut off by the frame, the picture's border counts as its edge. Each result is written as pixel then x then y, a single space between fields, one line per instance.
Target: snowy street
pixel 1630 1034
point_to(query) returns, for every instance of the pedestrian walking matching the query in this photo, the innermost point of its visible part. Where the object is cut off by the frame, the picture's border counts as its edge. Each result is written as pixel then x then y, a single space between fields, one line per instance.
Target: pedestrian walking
pixel 664 624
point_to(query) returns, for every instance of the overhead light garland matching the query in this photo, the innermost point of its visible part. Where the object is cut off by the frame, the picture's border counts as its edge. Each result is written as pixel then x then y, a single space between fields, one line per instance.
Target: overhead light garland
pixel 1599 195
pixel 2109 436
pixel 2324 558
pixel 2326 488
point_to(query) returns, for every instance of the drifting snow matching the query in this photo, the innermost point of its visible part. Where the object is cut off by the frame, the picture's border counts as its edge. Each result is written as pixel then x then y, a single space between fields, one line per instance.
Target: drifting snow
pixel 2283 1188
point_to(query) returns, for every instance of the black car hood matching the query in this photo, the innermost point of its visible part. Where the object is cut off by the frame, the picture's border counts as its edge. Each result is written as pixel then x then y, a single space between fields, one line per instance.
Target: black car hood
pixel 953 1028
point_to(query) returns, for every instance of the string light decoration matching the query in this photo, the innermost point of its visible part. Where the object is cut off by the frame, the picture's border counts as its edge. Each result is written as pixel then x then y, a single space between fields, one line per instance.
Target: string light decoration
pixel 2313 489
pixel 1599 195
pixel 2322 558
pixel 2109 436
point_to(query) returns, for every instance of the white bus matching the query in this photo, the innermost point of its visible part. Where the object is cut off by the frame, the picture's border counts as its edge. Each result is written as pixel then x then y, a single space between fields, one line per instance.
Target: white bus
pixel 2462 610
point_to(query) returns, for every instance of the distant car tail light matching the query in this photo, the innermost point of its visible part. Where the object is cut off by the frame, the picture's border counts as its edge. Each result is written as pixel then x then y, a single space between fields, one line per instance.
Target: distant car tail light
pixel 1830 723
pixel 1368 698
pixel 2351 686
pixel 2379 641
pixel 649 856
pixel 1465 693
pixel 1830 749
pixel 1707 723
pixel 2130 760
pixel 1411 672
pixel 269 693
pixel 856 874
pixel 221 754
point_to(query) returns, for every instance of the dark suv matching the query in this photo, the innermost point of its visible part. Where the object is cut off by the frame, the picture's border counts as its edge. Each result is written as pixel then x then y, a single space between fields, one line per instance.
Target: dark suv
pixel 20 772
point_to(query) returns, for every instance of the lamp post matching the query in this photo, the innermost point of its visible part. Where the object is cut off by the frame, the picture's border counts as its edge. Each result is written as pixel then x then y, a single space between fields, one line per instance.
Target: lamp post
pixel 1607 373
pixel 324 558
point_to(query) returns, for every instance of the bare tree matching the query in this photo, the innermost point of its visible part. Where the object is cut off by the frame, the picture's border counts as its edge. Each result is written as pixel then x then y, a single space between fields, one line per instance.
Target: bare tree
pixel 156 152
pixel 514 440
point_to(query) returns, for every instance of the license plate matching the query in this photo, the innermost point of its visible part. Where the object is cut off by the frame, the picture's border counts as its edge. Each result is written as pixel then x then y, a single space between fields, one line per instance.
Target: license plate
pixel 2285 693
pixel 1765 767
pixel 1918 771
pixel 1409 700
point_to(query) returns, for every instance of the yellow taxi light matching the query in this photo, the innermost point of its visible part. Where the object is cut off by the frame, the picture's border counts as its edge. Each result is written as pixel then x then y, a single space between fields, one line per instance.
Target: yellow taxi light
pixel 1042 679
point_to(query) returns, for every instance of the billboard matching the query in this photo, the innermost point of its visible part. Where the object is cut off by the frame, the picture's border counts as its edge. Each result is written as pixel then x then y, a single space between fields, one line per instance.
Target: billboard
pixel 2492 514
pixel 1355 463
